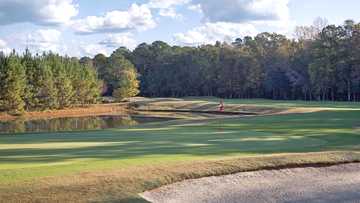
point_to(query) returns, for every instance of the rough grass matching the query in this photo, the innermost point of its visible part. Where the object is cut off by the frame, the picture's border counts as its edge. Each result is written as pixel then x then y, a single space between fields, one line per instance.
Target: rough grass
pixel 117 164
pixel 124 184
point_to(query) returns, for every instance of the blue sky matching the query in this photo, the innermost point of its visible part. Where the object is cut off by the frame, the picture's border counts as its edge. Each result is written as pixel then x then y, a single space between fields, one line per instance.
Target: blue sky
pixel 88 27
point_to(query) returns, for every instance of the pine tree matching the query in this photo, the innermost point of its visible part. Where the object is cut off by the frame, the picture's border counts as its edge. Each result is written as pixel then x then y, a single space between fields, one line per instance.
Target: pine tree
pixel 47 94
pixel 30 68
pixel 2 80
pixel 14 83
pixel 87 87
pixel 63 83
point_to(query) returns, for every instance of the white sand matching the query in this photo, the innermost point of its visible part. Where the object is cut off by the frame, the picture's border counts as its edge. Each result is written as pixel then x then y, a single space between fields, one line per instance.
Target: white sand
pixel 329 184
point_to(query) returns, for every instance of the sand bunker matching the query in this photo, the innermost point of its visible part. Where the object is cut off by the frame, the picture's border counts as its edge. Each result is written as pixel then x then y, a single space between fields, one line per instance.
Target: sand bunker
pixel 329 184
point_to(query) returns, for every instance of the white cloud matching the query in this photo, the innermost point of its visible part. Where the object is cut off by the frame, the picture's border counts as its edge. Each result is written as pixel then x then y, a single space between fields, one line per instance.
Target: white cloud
pixel 119 40
pixel 167 8
pixel 4 47
pixel 3 44
pixel 229 19
pixel 212 32
pixel 166 3
pixel 93 49
pixel 106 46
pixel 170 12
pixel 195 7
pixel 243 11
pixel 135 18
pixel 44 40
pixel 41 12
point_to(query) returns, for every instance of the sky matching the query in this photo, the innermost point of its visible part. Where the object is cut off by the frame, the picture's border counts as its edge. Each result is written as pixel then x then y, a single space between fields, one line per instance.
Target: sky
pixel 88 27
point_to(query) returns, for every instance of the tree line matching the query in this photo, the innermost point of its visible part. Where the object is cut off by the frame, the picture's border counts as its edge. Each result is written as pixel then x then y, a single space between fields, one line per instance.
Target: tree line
pixel 321 63
pixel 45 81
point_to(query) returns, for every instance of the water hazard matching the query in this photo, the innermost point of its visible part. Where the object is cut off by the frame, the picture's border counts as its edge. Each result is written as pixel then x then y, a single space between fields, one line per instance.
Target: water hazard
pixel 74 123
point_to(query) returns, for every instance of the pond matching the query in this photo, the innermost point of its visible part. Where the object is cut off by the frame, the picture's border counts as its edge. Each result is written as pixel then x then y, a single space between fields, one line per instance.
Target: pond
pixel 75 123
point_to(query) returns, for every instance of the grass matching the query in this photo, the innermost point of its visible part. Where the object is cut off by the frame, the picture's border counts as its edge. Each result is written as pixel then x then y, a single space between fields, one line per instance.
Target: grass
pixel 116 164
pixel 281 103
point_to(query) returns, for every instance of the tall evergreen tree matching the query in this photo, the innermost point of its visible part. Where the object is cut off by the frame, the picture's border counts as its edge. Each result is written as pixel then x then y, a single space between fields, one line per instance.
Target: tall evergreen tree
pixel 13 84
pixel 63 82
pixel 46 95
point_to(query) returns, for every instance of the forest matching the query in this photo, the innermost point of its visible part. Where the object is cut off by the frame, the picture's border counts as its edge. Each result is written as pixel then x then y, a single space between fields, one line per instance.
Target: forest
pixel 45 82
pixel 50 81
pixel 322 62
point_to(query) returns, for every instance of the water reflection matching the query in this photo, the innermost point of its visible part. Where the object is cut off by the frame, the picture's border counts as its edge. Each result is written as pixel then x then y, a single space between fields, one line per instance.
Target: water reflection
pixel 72 124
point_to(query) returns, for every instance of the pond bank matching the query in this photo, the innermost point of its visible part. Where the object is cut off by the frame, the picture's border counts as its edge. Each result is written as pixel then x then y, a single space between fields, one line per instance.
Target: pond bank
pixel 162 107
pixel 89 110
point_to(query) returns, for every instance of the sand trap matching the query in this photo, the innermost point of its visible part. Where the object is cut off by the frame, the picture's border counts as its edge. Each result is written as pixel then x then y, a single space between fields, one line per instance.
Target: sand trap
pixel 329 184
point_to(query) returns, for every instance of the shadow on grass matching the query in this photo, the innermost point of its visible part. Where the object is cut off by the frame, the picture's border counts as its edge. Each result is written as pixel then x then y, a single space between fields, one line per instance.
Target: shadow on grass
pixel 311 132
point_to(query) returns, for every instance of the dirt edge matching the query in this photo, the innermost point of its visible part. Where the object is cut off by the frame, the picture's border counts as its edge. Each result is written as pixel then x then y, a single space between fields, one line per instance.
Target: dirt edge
pixel 80 111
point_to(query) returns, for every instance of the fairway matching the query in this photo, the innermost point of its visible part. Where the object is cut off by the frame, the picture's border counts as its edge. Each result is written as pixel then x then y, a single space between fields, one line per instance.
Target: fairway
pixel 28 157
pixel 104 101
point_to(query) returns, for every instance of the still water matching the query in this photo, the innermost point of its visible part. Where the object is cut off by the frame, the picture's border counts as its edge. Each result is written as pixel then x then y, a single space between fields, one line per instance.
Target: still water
pixel 74 124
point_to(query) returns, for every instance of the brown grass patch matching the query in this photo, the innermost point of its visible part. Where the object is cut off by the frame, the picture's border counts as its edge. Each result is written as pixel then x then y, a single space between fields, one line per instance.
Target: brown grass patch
pixel 81 111
pixel 302 110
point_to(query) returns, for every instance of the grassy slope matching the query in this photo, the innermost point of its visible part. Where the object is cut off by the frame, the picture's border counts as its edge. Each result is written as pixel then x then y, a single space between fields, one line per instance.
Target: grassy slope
pixel 280 103
pixel 127 161
pixel 258 106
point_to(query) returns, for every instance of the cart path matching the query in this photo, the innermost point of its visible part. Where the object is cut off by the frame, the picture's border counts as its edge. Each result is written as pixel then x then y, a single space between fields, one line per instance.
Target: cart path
pixel 339 183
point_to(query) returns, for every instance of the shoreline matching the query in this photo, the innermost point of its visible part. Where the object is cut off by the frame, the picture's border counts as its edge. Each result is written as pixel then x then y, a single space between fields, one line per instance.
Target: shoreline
pixel 157 106
pixel 80 111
